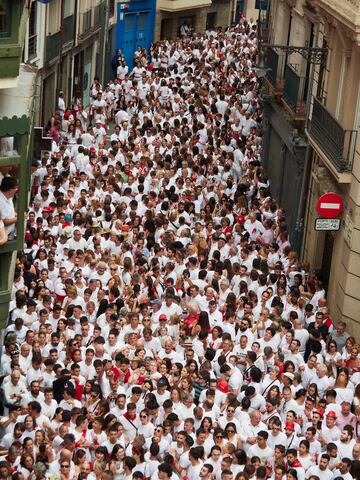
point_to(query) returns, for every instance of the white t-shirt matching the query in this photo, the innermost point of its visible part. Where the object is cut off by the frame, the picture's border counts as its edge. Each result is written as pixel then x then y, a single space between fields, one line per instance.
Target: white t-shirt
pixel 7 210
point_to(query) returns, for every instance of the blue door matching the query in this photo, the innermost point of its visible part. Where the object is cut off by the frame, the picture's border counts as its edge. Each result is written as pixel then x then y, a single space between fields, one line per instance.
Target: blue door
pixel 141 30
pixel 135 27
pixel 129 38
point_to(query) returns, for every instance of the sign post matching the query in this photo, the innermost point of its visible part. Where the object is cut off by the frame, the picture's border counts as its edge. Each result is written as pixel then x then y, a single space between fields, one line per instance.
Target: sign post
pixel 330 205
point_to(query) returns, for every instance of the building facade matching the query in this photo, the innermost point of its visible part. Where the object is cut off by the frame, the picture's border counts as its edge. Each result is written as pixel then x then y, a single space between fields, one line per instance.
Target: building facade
pixel 287 95
pixel 67 41
pixel 17 101
pixel 334 157
pixel 200 15
pixel 312 104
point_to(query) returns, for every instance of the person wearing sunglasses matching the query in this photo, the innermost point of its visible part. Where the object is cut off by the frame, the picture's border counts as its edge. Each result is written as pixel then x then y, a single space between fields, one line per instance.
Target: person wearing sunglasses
pixel 146 427
pixel 229 416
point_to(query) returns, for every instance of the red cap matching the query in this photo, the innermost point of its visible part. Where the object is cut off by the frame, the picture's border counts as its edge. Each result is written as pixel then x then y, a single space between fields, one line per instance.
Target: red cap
pixel 331 414
pixel 320 412
pixel 223 386
pixel 290 426
pixel 163 317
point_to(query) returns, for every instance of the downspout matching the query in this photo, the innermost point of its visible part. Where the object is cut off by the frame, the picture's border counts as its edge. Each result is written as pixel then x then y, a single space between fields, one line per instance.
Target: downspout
pixel 299 225
pixel 104 43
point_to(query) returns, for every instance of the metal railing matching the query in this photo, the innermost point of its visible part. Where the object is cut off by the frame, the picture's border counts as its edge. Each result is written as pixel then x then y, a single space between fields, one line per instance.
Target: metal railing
pixel 32 46
pixel 86 22
pixel 52 49
pixel 337 143
pixel 291 87
pixel 97 15
pixel 68 29
pixel 272 65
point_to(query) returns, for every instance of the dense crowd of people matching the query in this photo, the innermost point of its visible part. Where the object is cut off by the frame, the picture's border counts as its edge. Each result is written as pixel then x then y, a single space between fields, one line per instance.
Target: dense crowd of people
pixel 161 326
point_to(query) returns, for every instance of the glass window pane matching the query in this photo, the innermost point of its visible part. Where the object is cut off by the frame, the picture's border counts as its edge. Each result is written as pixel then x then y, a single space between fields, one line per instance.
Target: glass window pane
pixel 5 18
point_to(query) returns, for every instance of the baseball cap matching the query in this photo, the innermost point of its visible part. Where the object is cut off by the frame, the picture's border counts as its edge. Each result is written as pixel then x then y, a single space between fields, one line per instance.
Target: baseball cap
pixel 289 375
pixel 163 317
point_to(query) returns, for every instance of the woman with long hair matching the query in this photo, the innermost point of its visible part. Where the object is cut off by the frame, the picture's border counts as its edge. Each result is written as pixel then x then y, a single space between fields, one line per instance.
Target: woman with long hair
pixel 353 362
pixel 333 358
pixel 207 424
pixel 232 436
pixel 26 466
pixel 117 462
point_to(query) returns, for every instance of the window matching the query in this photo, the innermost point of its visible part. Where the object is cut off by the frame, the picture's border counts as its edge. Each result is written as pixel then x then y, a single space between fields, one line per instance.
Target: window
pixel 68 8
pixel 5 18
pixel 32 42
pixel 111 8
pixel 210 20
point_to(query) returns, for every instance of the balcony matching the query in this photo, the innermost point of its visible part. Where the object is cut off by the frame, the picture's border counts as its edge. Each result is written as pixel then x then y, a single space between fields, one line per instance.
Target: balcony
pixel 52 49
pixel 68 30
pixel 86 24
pixel 345 11
pixel 97 16
pixel 334 144
pixel 179 5
pixel 272 65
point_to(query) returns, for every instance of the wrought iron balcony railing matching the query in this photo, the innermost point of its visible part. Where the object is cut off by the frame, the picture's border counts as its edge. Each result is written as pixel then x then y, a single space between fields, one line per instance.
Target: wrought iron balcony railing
pixel 337 143
pixel 52 49
pixel 97 15
pixel 68 29
pixel 272 65
pixel 291 87
pixel 86 22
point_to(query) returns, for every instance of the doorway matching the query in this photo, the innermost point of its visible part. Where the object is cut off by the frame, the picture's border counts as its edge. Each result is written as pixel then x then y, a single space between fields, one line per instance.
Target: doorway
pixel 327 258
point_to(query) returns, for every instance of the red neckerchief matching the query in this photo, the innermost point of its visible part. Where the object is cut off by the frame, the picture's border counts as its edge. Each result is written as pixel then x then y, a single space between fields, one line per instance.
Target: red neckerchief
pixel 127 416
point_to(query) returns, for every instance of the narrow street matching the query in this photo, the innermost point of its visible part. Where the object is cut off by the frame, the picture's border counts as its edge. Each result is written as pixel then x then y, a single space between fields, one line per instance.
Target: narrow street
pixel 161 323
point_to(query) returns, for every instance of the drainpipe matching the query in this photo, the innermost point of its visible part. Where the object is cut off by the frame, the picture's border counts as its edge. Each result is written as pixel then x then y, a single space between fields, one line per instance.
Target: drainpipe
pixel 104 43
pixel 299 225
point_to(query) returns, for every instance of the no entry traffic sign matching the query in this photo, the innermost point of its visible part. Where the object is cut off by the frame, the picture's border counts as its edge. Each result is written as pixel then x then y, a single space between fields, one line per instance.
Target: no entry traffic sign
pixel 329 205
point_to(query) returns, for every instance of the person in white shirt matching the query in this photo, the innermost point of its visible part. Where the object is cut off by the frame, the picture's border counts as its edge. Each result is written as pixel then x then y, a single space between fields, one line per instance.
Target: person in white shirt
pixel 99 133
pixel 253 226
pixel 8 214
pixel 343 470
pixel 261 448
pixel 234 376
pixel 122 70
pixel 322 471
pixel 61 104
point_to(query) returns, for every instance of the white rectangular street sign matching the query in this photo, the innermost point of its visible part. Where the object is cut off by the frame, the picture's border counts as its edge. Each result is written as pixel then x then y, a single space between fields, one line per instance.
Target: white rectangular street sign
pixel 327 224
